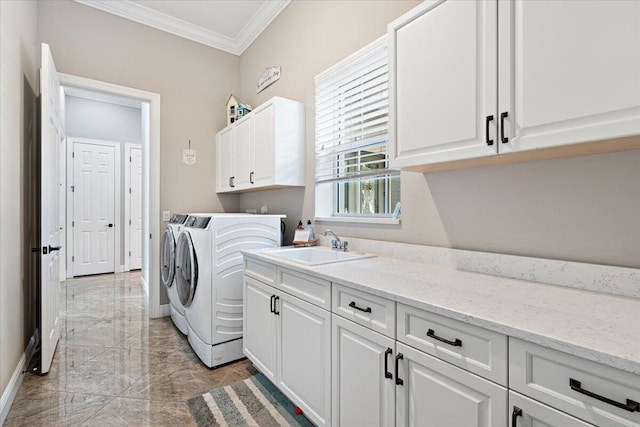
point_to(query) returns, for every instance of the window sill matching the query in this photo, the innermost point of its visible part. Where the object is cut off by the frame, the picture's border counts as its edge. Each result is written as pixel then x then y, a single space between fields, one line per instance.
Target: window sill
pixel 358 220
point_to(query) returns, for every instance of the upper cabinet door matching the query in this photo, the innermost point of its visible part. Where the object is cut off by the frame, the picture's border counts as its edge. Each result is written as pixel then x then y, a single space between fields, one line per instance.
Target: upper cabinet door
pixel 443 82
pixel 265 146
pixel 225 152
pixel 569 71
pixel 244 153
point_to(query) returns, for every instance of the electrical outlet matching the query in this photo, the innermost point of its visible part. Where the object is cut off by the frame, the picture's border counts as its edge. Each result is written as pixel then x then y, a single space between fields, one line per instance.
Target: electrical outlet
pixel 166 215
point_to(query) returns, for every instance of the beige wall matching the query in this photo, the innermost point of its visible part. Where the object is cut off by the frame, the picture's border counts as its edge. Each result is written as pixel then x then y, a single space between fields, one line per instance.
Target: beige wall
pixel 193 80
pixel 581 208
pixel 18 65
pixel 305 39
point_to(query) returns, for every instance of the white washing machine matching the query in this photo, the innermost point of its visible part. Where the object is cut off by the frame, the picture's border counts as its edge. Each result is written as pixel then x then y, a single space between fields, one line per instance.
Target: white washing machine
pixel 209 268
pixel 167 269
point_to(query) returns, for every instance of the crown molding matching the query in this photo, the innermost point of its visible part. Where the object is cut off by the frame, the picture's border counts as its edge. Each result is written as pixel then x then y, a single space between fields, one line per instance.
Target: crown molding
pixel 161 21
pixel 269 10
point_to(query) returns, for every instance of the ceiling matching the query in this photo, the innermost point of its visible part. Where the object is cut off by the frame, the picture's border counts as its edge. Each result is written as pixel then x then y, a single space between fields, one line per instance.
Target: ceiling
pixel 229 25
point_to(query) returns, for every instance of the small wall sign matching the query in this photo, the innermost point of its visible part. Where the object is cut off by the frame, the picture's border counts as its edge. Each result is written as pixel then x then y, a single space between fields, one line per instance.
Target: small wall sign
pixel 269 77
pixel 189 155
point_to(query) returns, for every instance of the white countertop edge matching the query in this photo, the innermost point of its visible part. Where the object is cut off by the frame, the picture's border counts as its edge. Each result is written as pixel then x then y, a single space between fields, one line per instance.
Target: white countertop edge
pixel 563 345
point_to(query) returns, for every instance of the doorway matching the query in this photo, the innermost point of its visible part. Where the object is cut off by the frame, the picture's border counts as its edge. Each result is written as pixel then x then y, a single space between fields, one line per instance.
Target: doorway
pixel 150 177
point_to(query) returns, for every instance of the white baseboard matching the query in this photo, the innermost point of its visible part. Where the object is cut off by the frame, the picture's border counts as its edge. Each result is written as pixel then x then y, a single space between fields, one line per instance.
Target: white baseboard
pixel 165 310
pixel 120 269
pixel 9 393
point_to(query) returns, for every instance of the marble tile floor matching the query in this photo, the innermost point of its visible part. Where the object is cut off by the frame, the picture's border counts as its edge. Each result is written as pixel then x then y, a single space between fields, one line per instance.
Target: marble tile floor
pixel 114 366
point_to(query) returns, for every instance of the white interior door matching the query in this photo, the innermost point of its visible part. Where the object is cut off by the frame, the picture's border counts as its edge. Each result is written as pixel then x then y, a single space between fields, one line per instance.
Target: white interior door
pixel 93 209
pixel 135 209
pixel 51 141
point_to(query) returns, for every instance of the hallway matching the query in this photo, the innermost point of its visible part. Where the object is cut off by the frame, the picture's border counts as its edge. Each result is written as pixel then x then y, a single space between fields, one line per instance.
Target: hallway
pixel 115 366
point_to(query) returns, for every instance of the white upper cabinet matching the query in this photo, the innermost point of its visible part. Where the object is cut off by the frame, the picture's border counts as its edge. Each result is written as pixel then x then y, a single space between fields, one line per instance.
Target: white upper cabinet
pixel 470 79
pixel 225 170
pixel 443 82
pixel 569 72
pixel 268 149
pixel 243 151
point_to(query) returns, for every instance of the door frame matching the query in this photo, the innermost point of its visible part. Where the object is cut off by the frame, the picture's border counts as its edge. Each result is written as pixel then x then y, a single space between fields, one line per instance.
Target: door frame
pixel 127 203
pixel 70 169
pixel 151 180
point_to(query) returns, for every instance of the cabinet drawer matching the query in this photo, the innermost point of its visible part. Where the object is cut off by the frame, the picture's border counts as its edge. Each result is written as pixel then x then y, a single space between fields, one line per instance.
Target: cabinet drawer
pixel 580 387
pixel 259 270
pixel 472 348
pixel 525 412
pixel 372 311
pixel 307 288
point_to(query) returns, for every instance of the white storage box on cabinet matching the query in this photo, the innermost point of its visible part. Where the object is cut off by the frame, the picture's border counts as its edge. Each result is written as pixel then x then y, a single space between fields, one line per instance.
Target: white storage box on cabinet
pixel 595 393
pixel 526 412
pixel 475 349
pixel 431 392
pixel 289 341
pixel 559 82
pixel 268 149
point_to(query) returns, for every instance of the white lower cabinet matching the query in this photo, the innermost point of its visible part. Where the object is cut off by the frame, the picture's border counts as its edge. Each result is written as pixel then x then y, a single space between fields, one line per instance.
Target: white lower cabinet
pixel 527 412
pixel 303 360
pixel 363 387
pixel 260 326
pixel 289 341
pixel 431 392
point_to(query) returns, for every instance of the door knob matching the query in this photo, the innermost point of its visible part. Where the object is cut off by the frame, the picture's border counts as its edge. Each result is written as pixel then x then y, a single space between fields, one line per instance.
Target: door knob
pixel 109 225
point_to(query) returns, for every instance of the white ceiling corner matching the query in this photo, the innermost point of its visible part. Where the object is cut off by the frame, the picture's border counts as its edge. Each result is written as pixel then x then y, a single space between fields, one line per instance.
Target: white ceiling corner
pixel 259 22
pixel 132 10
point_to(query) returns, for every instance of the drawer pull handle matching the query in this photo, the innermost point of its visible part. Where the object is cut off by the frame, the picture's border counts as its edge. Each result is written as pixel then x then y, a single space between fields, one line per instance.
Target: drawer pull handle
pixel 488 120
pixel 431 333
pixel 271 304
pixel 399 357
pixel 387 374
pixel 517 412
pixel 502 117
pixel 275 306
pixel 630 406
pixel 352 304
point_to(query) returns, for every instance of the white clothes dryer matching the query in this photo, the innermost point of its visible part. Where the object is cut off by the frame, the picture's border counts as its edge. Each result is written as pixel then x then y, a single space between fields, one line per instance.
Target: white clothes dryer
pixel 209 270
pixel 167 269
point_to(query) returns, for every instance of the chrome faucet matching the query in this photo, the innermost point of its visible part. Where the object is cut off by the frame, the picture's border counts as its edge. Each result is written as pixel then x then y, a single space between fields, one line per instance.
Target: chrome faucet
pixel 337 244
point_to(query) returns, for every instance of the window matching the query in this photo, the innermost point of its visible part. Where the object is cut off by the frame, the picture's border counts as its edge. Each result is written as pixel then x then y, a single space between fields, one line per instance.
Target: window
pixel 353 178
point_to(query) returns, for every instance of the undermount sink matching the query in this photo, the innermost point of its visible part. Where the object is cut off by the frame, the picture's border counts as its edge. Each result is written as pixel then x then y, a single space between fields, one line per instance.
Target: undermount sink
pixel 315 255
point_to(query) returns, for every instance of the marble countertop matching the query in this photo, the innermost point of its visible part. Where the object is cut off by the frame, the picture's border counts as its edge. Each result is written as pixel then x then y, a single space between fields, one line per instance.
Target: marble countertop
pixel 598 327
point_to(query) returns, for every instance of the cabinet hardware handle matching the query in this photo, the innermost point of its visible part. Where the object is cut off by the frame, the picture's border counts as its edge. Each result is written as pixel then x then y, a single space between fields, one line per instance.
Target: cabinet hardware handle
pixel 399 357
pixel 517 412
pixel 232 181
pixel 502 117
pixel 630 406
pixel 457 343
pixel 271 304
pixel 486 129
pixel 251 177
pixel 275 306
pixel 387 374
pixel 352 304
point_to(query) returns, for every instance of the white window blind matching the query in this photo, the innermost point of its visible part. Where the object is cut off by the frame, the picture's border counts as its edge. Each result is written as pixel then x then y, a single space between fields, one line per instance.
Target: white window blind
pixel 352 106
